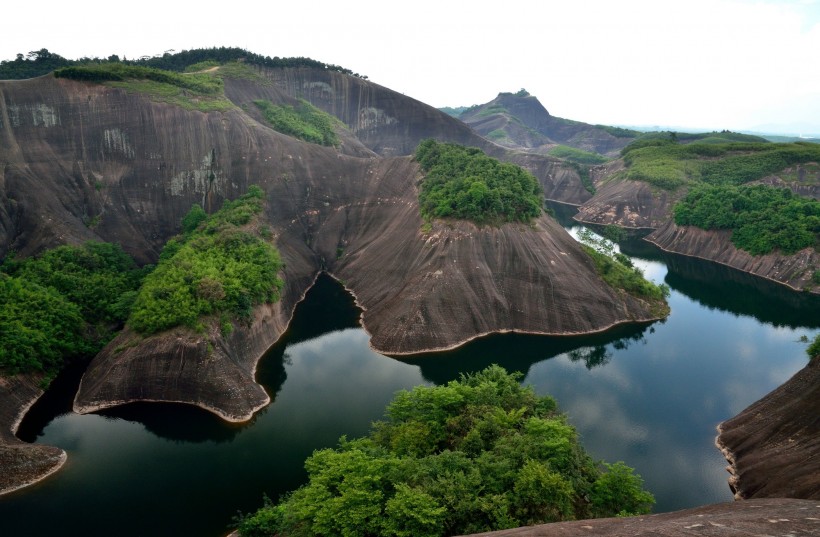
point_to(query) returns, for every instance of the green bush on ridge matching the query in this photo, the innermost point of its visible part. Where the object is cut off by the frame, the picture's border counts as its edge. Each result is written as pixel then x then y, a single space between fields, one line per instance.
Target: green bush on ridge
pixel 478 454
pixel 217 267
pixel 464 183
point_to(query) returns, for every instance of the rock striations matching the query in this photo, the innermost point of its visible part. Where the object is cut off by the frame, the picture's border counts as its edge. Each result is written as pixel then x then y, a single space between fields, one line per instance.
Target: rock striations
pixel 773 446
pixel 81 161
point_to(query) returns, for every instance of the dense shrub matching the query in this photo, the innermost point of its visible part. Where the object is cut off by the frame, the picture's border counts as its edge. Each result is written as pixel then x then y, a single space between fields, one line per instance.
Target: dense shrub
pixel 577 155
pixel 462 182
pixel 114 71
pixel 218 267
pixel 39 328
pixel 303 121
pixel 64 303
pixel 762 218
pixel 478 454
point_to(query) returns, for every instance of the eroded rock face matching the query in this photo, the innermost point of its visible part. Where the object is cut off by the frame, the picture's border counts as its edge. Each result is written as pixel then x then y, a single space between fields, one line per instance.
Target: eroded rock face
pixel 794 270
pixel 118 167
pixel 773 446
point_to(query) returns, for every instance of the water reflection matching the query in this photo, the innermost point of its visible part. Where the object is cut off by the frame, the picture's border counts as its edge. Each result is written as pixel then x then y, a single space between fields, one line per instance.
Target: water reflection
pixel 518 352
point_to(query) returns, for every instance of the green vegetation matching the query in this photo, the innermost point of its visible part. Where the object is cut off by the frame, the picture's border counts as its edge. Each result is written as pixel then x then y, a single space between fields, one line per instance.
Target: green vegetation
pixel 35 63
pixel 493 109
pixel 619 132
pixel 455 111
pixel 195 91
pixel 464 183
pixel 577 155
pixel 478 454
pixel 303 121
pixel 66 303
pixel 667 164
pixel 42 62
pixel 618 272
pixel 762 218
pixel 813 350
pixel 221 265
pixel 497 134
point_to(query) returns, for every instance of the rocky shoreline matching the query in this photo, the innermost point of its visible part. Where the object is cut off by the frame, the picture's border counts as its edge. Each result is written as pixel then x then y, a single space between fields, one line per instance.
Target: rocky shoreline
pixel 23 464
pixel 773 446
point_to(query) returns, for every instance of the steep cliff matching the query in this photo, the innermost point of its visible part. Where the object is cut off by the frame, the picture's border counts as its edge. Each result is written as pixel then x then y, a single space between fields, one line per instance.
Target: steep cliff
pixel 795 271
pixel 773 446
pixel 118 166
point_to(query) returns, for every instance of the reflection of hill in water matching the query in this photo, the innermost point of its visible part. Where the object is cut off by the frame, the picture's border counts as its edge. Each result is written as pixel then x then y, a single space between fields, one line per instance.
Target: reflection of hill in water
pixel 518 352
pixel 726 289
pixel 327 307
pixel 176 421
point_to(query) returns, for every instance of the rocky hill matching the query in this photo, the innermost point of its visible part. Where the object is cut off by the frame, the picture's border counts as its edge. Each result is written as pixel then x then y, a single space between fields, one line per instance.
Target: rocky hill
pixel 520 121
pixel 82 160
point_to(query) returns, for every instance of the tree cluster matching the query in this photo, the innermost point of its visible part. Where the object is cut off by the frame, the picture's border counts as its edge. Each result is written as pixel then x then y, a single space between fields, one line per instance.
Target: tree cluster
pixel 41 62
pixel 478 454
pixel 464 183
pixel 762 218
pixel 221 265
pixel 63 304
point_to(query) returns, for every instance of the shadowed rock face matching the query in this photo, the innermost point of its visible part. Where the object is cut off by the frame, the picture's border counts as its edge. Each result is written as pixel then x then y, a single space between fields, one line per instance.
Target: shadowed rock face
pixel 82 161
pixel 773 446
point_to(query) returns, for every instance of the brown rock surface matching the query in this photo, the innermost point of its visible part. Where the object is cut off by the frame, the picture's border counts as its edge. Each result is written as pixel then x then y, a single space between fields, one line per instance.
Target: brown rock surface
pixel 773 446
pixel 82 161
pixel 794 270
pixel 22 464
pixel 767 517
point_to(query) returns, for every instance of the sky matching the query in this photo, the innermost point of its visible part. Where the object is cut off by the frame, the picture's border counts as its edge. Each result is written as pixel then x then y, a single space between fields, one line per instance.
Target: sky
pixel 694 64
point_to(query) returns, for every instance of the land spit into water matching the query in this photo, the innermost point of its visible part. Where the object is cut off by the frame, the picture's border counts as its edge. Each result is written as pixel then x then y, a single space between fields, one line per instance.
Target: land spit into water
pixel 22 464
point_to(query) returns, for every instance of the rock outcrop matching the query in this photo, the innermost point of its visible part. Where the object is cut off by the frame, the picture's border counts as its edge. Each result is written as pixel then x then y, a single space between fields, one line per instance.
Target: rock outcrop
pixel 753 517
pixel 520 121
pixel 82 161
pixel 22 464
pixel 773 446
pixel 795 271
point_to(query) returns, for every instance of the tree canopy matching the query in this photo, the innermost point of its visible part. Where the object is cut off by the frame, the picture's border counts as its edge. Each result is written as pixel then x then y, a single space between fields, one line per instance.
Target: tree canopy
pixel 223 264
pixel 64 303
pixel 762 218
pixel 478 454
pixel 464 183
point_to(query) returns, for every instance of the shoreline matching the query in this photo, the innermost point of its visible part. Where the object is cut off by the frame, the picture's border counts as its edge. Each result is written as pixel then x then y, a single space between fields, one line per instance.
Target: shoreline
pixel 24 464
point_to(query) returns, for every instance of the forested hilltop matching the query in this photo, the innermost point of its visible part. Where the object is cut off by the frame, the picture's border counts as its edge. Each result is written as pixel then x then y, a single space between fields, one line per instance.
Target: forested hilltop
pixel 41 62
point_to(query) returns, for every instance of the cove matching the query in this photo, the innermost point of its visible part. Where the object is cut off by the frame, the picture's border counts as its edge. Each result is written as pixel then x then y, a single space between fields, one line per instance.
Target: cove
pixel 649 395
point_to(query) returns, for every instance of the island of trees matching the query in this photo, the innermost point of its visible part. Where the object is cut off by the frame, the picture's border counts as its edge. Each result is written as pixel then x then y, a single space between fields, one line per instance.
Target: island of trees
pixel 478 454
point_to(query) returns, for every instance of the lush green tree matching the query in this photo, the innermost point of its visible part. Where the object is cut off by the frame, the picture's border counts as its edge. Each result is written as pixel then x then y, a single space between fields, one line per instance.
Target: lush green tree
pixel 762 218
pixel 39 328
pixel 303 121
pixel 63 304
pixel 221 265
pixel 477 454
pixel 464 183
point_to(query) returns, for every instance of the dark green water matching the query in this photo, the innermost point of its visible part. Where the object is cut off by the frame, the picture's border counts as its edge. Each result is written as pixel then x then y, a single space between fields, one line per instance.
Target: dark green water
pixel 648 395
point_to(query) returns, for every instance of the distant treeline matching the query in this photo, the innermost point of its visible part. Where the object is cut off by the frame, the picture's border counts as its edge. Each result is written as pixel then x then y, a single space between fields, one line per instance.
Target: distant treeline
pixel 41 62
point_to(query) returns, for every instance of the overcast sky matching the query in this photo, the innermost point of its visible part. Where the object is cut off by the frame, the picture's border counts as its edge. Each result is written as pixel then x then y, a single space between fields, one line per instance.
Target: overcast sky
pixel 710 64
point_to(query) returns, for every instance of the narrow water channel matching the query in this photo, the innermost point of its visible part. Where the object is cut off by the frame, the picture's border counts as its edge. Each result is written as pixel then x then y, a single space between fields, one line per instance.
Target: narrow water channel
pixel 649 395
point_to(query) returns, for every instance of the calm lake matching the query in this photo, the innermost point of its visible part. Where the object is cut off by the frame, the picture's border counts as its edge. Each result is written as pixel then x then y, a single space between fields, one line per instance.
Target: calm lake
pixel 649 395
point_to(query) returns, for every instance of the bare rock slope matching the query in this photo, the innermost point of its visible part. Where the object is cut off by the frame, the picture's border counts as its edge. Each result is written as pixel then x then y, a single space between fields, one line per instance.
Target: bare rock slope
pixel 773 446
pixel 82 161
